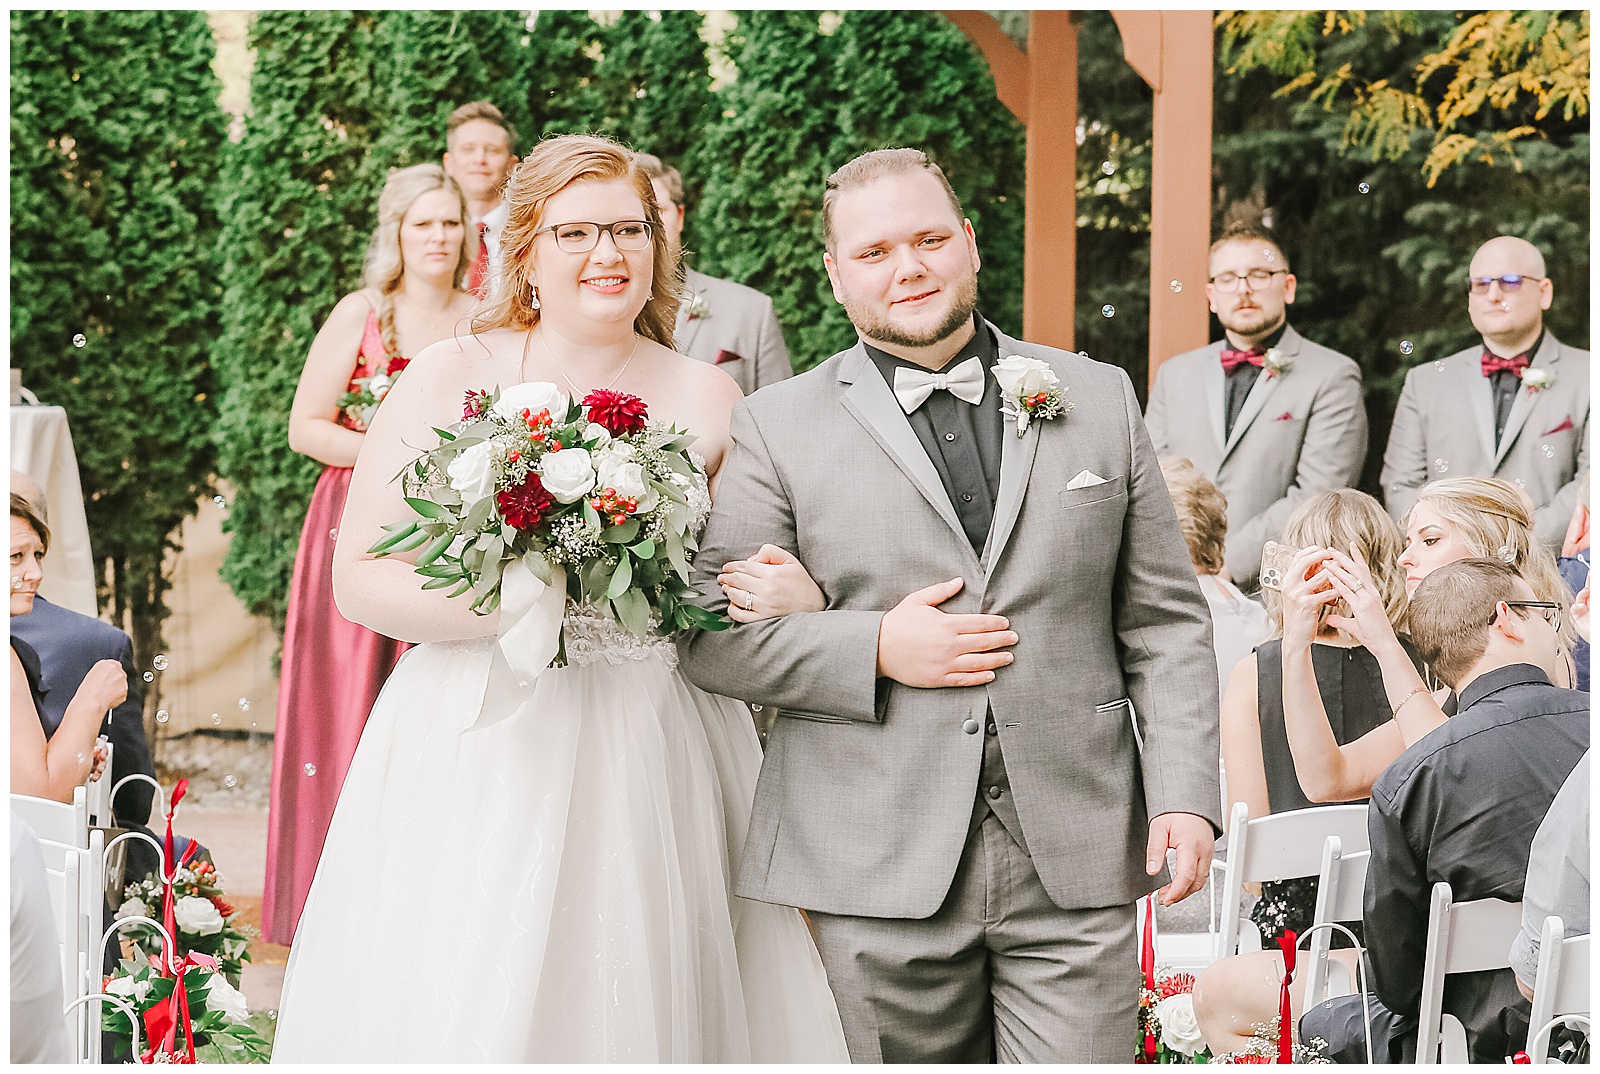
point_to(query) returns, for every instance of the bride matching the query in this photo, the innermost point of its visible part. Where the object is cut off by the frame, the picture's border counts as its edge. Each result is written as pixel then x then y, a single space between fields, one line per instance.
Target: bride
pixel 543 873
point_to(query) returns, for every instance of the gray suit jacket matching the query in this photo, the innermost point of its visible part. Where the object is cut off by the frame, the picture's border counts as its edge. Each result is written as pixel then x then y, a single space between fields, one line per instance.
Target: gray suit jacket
pixel 1300 433
pixel 739 331
pixel 1444 427
pixel 868 786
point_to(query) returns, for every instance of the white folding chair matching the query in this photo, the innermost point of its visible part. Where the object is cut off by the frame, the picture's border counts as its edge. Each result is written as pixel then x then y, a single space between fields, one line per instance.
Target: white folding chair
pixel 1280 846
pixel 1561 991
pixel 1340 887
pixel 63 872
pixel 56 821
pixel 1463 937
pixel 98 792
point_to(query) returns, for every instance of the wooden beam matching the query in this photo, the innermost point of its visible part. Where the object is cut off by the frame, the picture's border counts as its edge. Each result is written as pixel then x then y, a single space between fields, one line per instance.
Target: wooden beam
pixel 1050 235
pixel 1007 63
pixel 1172 52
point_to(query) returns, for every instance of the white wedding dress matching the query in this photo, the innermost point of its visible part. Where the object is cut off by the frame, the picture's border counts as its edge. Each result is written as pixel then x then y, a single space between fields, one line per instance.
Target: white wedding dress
pixel 544 874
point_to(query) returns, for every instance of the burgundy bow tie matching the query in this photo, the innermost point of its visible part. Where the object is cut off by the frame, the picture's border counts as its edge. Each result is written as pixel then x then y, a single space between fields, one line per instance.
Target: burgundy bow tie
pixel 1232 360
pixel 1493 363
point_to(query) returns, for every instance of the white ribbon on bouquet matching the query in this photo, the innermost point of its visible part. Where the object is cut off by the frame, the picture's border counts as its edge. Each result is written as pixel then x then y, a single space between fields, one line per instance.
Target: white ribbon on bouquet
pixel 531 611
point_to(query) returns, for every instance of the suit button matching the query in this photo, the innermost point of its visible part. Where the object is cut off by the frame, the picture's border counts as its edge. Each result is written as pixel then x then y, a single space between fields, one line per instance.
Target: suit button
pixel 995 793
pixel 966 497
pixel 993 730
pixel 949 437
pixel 970 727
pixel 755 708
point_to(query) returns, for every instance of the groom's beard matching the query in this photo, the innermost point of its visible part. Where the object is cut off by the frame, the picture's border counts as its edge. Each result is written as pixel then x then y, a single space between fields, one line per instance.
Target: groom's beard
pixel 873 325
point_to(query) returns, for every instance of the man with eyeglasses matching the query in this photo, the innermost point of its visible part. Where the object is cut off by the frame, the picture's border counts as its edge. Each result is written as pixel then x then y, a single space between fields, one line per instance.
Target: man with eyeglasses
pixel 1267 415
pixel 1515 406
pixel 1462 806
pixel 479 156
pixel 720 321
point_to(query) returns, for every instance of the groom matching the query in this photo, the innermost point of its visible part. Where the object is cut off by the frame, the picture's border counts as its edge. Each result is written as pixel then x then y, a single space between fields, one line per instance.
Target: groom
pixel 956 790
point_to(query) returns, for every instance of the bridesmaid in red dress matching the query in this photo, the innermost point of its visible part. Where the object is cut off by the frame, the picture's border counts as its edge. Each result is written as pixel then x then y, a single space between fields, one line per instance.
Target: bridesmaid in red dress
pixel 332 668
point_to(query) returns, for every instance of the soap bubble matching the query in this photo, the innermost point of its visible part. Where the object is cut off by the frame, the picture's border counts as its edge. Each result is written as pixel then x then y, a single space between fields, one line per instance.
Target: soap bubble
pixel 219 501
pixel 1405 346
pixel 1364 188
pixel 1108 310
pixel 333 534
pixel 1176 286
pixel 149 676
pixel 1108 168
pixel 80 340
pixel 162 716
pixel 244 704
pixel 311 769
pixel 216 719
pixel 160 662
pixel 230 780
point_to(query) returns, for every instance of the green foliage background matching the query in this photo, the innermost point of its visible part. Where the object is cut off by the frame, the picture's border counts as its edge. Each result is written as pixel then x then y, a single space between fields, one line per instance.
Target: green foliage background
pixel 186 249
pixel 115 147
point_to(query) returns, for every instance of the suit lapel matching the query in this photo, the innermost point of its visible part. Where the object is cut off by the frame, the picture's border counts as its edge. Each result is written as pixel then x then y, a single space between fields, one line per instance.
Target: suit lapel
pixel 869 401
pixel 1265 385
pixel 686 329
pixel 1016 466
pixel 1481 398
pixel 1523 403
pixel 1214 388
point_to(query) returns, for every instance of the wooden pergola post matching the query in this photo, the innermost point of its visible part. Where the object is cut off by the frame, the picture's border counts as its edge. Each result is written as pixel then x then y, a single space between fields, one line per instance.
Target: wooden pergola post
pixel 1171 50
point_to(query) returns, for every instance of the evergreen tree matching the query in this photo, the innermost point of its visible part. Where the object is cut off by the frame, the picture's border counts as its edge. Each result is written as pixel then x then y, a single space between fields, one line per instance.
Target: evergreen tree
pixel 115 135
pixel 766 160
pixel 911 78
pixel 558 81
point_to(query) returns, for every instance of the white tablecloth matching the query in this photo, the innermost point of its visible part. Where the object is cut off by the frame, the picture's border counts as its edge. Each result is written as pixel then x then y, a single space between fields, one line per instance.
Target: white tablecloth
pixel 41 447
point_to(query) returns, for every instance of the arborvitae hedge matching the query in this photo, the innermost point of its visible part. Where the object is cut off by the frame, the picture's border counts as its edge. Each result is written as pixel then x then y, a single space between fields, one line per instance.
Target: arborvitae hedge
pixel 115 138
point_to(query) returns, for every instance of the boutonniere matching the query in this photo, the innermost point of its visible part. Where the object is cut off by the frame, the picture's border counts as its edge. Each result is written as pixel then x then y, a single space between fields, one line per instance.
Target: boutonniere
pixel 1030 390
pixel 698 307
pixel 1276 363
pixel 1537 380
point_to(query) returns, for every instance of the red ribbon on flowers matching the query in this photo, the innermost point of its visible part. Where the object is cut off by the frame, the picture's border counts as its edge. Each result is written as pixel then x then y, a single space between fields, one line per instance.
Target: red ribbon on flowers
pixel 162 1020
pixel 1147 966
pixel 168 915
pixel 1286 942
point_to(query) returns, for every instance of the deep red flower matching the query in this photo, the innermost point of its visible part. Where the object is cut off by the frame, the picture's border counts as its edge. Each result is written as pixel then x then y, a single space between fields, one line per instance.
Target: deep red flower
pixel 617 412
pixel 224 907
pixel 1247 1059
pixel 1175 984
pixel 525 506
pixel 476 404
pixel 396 364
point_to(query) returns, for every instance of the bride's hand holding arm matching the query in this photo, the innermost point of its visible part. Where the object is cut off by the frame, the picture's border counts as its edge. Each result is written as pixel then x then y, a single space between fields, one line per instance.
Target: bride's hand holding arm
pixel 386 594
pixel 769 584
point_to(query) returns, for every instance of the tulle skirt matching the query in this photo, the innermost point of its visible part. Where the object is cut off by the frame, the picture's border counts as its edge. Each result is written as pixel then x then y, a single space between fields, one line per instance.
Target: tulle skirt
pixel 549 880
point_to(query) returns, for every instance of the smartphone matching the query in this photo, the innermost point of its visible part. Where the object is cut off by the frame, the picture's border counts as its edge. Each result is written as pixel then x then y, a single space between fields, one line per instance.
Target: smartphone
pixel 1275 560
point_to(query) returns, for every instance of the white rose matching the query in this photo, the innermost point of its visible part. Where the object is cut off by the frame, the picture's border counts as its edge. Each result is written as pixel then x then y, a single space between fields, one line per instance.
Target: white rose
pixel 225 999
pixel 568 475
pixel 1180 1031
pixel 628 479
pixel 197 915
pixel 598 433
pixel 128 988
pixel 133 908
pixel 1021 376
pixel 472 472
pixel 379 385
pixel 533 397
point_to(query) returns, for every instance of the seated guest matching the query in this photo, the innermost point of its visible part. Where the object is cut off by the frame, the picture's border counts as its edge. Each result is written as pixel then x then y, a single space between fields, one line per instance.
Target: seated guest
pixel 1460 806
pixel 68 645
pixel 1238 624
pixel 1574 566
pixel 1558 876
pixel 54 766
pixel 1350 702
pixel 38 1032
pixel 1455 519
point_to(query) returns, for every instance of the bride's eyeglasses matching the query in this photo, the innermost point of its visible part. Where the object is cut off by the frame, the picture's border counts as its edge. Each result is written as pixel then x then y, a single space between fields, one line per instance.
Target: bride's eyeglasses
pixel 579 237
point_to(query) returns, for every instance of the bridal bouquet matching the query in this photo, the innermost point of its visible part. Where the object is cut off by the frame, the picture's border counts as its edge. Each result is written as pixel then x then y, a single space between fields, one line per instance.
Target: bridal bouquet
pixel 532 498
pixel 359 406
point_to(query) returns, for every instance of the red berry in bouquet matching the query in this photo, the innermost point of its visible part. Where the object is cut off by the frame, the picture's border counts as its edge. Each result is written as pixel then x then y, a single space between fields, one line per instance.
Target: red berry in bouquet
pixel 524 506
pixel 618 413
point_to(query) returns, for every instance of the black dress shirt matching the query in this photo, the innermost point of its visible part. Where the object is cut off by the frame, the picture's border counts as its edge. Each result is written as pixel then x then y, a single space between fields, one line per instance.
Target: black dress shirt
pixel 1504 386
pixel 1462 806
pixel 1242 379
pixel 963 440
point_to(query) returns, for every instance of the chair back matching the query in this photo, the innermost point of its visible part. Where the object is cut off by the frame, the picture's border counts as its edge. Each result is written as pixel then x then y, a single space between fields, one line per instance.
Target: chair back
pixel 1463 937
pixel 1340 887
pixel 1562 988
pixel 1279 846
pixel 56 821
pixel 98 793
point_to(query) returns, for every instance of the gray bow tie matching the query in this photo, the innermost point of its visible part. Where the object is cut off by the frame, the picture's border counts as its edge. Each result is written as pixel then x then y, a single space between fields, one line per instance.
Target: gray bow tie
pixel 913 386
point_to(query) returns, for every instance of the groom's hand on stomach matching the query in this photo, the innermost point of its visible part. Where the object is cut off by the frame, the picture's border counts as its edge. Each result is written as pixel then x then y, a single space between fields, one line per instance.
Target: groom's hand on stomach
pixel 919 645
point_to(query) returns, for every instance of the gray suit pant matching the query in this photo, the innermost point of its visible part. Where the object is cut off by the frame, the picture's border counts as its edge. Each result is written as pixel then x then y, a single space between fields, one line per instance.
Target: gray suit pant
pixel 998 973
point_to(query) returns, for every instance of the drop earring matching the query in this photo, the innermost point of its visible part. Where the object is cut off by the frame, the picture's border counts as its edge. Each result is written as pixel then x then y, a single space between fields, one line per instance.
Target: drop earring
pixel 533 296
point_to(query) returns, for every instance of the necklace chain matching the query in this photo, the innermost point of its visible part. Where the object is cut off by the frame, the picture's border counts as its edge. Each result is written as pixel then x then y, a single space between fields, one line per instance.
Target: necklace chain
pixel 576 394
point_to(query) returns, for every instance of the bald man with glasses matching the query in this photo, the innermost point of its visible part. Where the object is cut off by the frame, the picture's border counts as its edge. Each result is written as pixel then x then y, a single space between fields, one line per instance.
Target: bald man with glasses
pixel 1515 406
pixel 1267 415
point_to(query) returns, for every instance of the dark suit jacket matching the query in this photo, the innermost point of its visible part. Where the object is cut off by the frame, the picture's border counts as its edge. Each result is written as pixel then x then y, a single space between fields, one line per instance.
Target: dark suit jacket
pixel 69 644
pixel 1462 806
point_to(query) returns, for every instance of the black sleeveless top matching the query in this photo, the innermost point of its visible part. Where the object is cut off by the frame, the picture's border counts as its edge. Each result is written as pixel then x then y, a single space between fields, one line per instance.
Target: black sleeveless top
pixel 34 673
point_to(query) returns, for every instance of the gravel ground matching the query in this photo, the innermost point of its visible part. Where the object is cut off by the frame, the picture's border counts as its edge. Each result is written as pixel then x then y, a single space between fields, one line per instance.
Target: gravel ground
pixel 225 771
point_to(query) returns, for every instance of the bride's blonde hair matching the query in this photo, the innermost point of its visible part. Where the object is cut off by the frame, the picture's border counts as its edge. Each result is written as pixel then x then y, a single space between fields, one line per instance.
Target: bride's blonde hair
pixel 552 166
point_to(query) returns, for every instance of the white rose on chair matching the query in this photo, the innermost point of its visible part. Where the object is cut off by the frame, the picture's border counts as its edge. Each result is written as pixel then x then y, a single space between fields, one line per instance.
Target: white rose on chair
pixel 567 475
pixel 472 472
pixel 132 908
pixel 129 989
pixel 1180 1030
pixel 197 915
pixel 225 999
pixel 617 472
pixel 533 397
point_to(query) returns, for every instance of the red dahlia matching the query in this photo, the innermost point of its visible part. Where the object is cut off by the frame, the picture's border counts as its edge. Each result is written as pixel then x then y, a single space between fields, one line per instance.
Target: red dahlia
pixel 476 404
pixel 396 364
pixel 1175 984
pixel 224 907
pixel 617 412
pixel 525 506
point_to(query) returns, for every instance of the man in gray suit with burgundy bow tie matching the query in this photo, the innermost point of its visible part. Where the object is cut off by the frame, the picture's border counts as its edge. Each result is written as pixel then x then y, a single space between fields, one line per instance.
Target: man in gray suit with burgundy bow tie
pixel 1269 416
pixel 1515 407
pixel 1005 714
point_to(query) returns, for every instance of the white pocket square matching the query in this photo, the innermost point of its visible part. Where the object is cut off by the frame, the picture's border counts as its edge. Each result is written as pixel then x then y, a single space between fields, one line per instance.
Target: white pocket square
pixel 1085 479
